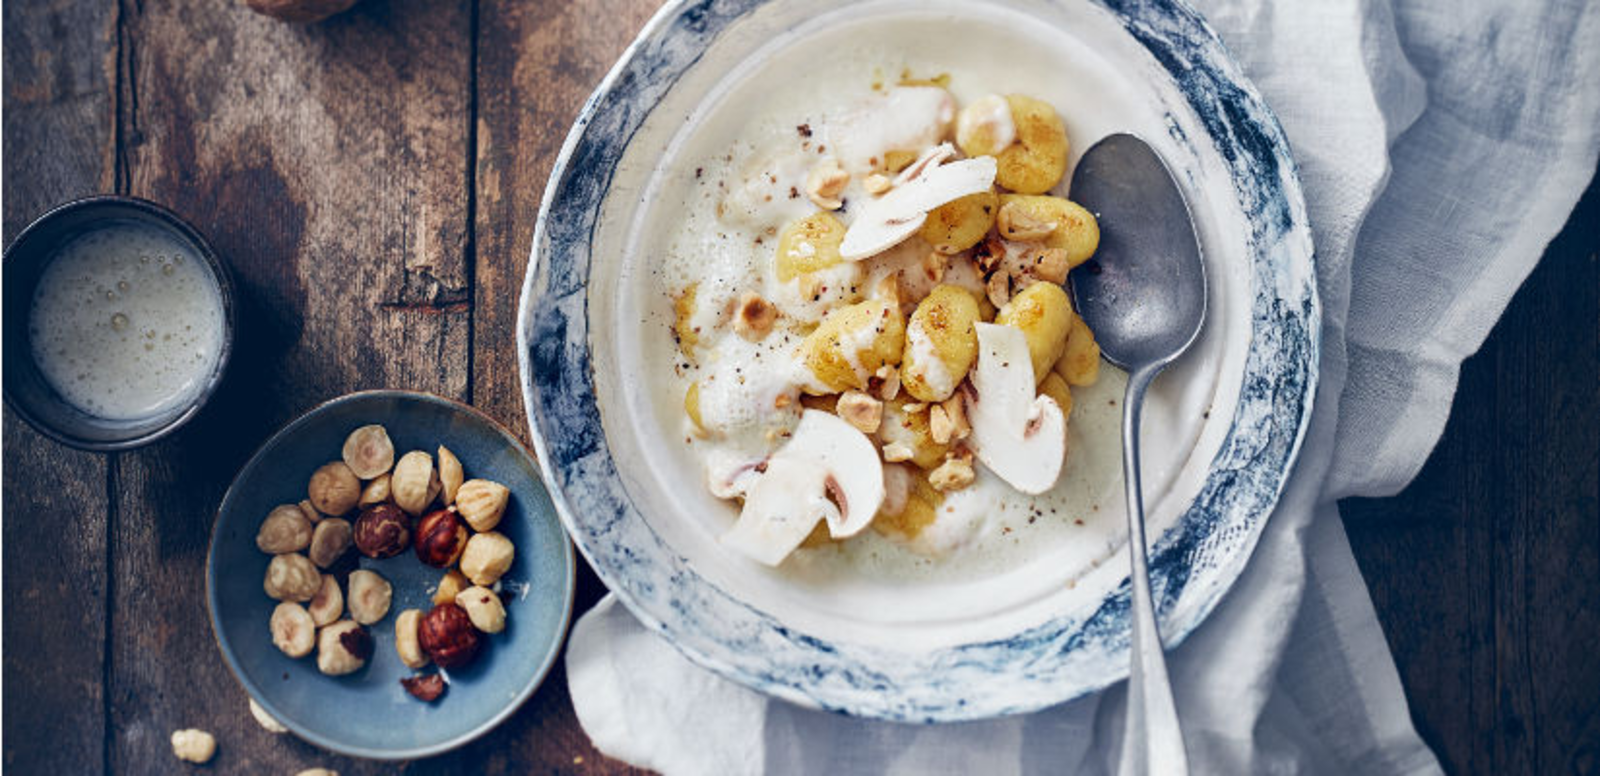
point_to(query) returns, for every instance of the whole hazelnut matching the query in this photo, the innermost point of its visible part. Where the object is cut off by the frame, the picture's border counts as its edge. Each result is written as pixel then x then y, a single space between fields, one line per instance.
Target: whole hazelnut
pixel 488 555
pixel 284 530
pixel 334 489
pixel 381 532
pixel 440 538
pixel 447 635
pixel 291 577
pixel 343 648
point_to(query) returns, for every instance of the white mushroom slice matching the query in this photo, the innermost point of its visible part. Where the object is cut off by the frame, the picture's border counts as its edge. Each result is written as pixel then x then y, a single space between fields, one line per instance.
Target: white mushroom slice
pixel 855 473
pixel 828 471
pixel 1019 437
pixel 884 222
pixel 933 157
pixel 780 510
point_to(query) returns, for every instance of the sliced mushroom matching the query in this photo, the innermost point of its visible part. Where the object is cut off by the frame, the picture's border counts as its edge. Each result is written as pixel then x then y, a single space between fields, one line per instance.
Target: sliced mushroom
pixel 883 222
pixel 828 471
pixel 1018 436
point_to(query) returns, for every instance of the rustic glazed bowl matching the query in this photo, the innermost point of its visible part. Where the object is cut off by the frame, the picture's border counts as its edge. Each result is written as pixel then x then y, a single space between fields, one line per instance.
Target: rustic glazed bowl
pixel 368 713
pixel 1225 423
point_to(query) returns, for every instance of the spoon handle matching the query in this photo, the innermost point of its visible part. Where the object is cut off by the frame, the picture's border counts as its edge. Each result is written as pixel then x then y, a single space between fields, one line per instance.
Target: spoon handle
pixel 1152 741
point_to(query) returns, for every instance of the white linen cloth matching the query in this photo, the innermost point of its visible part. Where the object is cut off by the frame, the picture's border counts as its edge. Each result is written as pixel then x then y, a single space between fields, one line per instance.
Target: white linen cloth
pixel 1442 144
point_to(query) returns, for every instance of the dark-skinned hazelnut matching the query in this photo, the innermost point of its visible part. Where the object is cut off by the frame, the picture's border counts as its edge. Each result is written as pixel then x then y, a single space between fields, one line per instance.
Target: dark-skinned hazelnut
pixel 447 635
pixel 441 537
pixel 381 531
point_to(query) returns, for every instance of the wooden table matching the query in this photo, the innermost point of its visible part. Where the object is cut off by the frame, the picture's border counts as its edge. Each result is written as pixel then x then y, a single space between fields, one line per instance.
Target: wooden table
pixel 373 182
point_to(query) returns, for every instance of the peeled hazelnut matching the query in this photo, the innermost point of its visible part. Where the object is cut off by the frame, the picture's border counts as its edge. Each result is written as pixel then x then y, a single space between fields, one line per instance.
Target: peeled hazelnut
pixel 368 451
pixel 284 530
pixel 195 746
pixel 447 635
pixel 370 595
pixel 411 480
pixel 329 541
pixel 441 537
pixel 293 630
pixel 424 688
pixel 328 604
pixel 334 489
pixel 405 639
pixel 860 410
pixel 381 532
pixel 482 503
pixel 291 577
pixel 488 555
pixel 451 475
pixel 376 492
pixel 343 648
pixel 483 607
pixel 753 317
pixel 267 722
pixel 449 585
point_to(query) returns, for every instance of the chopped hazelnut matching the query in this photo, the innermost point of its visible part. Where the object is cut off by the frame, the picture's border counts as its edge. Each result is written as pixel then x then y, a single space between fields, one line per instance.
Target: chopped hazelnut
pixel 877 183
pixel 1015 223
pixel 1048 264
pixel 999 289
pixel 953 474
pixel 895 452
pixel 933 265
pixel 940 426
pixel 956 411
pixel 825 183
pixel 860 410
pixel 754 316
pixel 890 385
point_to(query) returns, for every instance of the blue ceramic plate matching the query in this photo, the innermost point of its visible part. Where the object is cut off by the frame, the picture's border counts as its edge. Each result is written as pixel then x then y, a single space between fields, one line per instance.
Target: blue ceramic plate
pixel 390 723
pixel 1222 431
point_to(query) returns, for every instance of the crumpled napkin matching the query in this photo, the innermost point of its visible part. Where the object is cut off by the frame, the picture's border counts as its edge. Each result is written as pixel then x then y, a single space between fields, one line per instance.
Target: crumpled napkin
pixel 1442 144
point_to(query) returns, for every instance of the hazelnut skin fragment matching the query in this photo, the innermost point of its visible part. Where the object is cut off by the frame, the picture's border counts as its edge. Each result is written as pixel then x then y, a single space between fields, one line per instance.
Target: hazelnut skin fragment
pixel 424 688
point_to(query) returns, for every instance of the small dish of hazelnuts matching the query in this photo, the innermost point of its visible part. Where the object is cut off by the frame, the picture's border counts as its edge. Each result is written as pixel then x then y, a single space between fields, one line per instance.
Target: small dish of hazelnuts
pixel 387 575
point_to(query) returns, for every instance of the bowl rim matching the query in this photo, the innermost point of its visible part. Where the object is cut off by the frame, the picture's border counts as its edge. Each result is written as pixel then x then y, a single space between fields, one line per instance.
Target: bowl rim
pixel 1221 86
pixel 225 287
pixel 547 663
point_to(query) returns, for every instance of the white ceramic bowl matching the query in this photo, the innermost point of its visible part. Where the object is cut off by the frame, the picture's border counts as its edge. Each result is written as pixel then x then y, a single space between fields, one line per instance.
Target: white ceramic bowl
pixel 1221 433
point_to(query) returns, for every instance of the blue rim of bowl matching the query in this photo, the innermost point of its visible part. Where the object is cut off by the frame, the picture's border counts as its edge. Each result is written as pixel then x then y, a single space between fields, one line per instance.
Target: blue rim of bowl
pixel 224 286
pixel 957 683
pixel 569 590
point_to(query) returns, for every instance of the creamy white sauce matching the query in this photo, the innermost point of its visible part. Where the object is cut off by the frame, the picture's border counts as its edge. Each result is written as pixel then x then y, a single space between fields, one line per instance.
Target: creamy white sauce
pixel 126 322
pixel 982 530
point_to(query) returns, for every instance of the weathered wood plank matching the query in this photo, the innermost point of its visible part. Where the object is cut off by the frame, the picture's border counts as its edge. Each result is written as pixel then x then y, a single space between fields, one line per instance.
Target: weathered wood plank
pixel 537 63
pixel 1483 570
pixel 59 138
pixel 1547 559
pixel 328 165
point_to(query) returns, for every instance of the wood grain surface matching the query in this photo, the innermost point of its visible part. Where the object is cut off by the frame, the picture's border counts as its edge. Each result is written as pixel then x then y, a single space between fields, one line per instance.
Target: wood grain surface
pixel 372 181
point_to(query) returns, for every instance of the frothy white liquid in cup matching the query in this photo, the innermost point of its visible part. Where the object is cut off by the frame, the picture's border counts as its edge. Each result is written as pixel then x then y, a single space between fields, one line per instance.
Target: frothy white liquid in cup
pixel 127 322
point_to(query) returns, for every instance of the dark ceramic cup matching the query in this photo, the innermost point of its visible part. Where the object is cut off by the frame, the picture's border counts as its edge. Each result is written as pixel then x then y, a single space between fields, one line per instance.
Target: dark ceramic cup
pixel 28 393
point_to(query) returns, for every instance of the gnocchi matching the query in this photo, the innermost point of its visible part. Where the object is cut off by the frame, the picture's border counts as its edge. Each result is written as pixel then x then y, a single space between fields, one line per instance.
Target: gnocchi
pixel 1074 230
pixel 851 344
pixel 1038 158
pixel 1043 313
pixel 956 226
pixel 941 344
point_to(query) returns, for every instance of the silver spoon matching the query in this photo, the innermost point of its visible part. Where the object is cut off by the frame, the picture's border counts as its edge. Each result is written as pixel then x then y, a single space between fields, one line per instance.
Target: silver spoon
pixel 1144 296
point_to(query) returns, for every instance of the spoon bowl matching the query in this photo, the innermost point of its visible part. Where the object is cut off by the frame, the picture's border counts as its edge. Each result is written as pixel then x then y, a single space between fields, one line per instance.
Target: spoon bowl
pixel 1144 293
pixel 1144 297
